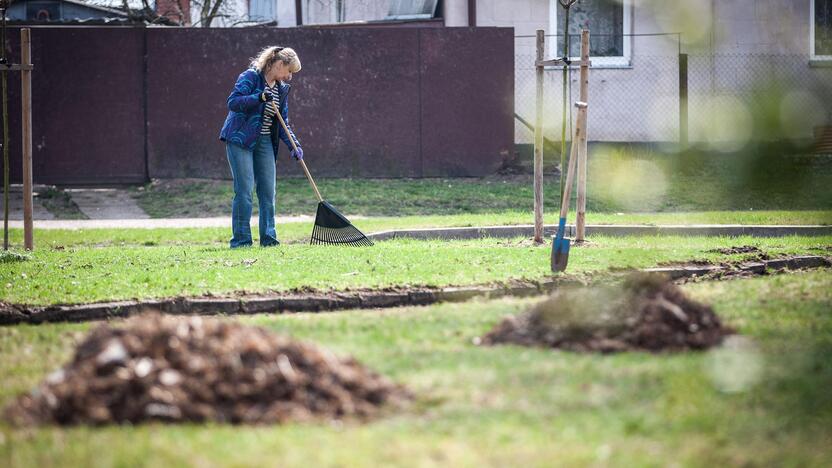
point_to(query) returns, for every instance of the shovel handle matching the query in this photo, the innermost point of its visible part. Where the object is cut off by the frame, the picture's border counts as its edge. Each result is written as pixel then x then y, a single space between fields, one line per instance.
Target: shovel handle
pixel 295 147
pixel 580 132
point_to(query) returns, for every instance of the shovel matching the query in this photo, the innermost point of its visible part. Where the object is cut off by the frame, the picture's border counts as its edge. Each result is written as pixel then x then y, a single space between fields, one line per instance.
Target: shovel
pixel 331 227
pixel 560 244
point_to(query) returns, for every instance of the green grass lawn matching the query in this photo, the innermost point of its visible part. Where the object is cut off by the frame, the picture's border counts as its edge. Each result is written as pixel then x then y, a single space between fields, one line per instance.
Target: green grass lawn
pixel 619 180
pixel 299 232
pixel 504 405
pixel 93 265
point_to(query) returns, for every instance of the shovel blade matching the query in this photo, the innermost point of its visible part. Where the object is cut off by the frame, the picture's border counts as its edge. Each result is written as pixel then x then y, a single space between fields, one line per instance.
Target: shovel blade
pixel 560 255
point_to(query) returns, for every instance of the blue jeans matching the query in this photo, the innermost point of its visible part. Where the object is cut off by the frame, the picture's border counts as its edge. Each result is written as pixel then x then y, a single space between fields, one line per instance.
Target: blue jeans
pixel 252 169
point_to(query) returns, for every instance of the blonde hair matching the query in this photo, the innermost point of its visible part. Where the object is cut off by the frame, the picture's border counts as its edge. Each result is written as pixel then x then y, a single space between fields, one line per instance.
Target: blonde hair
pixel 268 56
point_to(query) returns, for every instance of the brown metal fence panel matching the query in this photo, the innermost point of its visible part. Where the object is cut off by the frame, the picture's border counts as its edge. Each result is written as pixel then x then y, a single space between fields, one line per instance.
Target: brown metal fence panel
pixel 114 105
pixel 354 105
pixel 87 106
pixel 356 102
pixel 189 74
pixel 467 89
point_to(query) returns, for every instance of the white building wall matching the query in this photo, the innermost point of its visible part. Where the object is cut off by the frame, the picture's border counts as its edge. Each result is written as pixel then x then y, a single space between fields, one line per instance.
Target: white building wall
pixel 732 48
pixel 525 16
pixel 286 14
pixel 456 13
pixel 758 42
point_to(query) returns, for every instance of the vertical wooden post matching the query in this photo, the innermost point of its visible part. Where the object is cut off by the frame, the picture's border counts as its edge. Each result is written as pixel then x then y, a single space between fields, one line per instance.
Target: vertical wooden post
pixel 538 142
pixel 5 97
pixel 26 106
pixel 582 150
pixel 683 100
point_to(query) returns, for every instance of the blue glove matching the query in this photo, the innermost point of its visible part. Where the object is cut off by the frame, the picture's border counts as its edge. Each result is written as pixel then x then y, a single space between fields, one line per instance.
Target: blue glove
pixel 297 153
pixel 266 95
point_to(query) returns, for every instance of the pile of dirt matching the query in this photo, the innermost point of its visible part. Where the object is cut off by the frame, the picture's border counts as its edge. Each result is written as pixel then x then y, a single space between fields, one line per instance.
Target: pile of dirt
pixel 645 312
pixel 737 250
pixel 177 369
pixel 743 249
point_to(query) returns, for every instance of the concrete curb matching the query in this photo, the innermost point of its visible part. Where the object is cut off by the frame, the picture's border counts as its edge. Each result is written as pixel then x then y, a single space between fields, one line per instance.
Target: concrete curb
pixel 288 303
pixel 618 230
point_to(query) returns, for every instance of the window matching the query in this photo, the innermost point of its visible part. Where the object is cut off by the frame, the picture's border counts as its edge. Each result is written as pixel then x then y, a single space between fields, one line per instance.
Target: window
pixel 262 11
pixel 609 23
pixel 821 29
pixel 412 9
pixel 43 11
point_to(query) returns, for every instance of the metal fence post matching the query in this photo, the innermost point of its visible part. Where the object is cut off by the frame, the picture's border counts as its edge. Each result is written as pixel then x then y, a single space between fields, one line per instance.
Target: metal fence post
pixel 683 100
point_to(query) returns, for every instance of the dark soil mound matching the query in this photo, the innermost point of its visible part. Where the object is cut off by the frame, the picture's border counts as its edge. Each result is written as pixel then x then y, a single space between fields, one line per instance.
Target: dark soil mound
pixel 743 249
pixel 646 312
pixel 177 369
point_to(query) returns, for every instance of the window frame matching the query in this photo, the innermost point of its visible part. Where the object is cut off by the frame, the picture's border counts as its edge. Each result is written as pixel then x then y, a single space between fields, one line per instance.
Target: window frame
pixel 812 46
pixel 618 61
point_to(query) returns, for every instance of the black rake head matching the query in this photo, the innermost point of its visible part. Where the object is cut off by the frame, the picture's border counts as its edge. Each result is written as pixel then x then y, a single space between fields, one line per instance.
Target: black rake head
pixel 331 227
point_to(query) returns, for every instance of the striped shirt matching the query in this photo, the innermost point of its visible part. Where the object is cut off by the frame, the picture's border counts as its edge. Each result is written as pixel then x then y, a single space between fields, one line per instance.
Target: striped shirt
pixel 268 112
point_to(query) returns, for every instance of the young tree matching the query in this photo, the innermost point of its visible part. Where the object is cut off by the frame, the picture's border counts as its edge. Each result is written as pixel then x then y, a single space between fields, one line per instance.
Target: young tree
pixel 209 10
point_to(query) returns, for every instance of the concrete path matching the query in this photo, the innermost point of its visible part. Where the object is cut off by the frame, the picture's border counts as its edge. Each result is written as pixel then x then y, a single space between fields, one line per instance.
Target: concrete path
pixel 144 223
pixel 16 204
pixel 106 203
pixel 94 203
pixel 450 233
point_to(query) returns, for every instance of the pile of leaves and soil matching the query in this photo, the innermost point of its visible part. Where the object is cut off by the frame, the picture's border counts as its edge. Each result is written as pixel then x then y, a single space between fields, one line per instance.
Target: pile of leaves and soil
pixel 177 369
pixel 752 252
pixel 644 312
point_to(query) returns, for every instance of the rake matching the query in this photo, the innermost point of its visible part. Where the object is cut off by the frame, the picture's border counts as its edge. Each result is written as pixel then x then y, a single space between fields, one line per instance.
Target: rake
pixel 331 227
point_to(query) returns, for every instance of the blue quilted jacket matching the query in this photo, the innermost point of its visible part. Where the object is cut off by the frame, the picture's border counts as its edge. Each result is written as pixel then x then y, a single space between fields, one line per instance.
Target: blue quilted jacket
pixel 245 112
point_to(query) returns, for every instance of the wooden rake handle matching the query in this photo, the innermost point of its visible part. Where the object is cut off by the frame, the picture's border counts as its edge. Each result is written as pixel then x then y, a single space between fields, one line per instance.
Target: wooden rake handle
pixel 302 164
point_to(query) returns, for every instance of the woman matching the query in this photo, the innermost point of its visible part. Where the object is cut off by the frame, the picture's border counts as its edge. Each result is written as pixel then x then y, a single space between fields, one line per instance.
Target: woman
pixel 251 133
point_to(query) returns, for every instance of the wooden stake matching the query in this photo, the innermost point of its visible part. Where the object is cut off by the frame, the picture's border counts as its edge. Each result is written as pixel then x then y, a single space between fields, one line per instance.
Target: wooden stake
pixel 26 105
pixel 582 144
pixel 683 101
pixel 538 143
pixel 5 159
pixel 5 98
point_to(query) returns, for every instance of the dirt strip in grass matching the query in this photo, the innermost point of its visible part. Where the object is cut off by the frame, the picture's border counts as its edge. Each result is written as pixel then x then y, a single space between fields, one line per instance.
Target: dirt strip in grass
pixel 311 300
